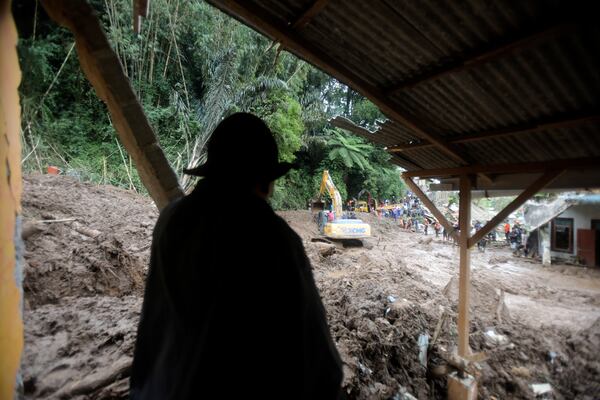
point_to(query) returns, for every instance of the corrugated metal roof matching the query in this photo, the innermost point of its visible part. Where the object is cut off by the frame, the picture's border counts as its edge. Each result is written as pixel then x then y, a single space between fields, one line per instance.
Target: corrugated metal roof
pixel 451 70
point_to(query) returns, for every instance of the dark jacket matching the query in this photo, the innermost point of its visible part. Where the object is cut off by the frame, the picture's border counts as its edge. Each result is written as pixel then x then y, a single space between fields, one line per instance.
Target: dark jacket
pixel 231 310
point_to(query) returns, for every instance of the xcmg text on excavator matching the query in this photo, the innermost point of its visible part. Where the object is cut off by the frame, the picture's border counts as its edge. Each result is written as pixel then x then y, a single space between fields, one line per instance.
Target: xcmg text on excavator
pixel 339 228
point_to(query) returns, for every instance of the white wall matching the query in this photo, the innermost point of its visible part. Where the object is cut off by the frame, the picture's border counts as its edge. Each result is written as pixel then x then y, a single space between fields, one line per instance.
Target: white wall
pixel 582 216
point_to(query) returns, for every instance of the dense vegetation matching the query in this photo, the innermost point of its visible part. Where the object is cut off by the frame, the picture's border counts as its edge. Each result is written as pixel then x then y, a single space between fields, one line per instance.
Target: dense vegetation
pixel 191 66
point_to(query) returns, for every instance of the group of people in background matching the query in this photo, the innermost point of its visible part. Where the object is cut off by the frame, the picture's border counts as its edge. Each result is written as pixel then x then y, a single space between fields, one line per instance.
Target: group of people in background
pixel 520 241
pixel 410 215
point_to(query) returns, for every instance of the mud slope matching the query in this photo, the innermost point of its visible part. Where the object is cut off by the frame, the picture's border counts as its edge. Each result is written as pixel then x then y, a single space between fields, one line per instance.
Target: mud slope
pixel 85 270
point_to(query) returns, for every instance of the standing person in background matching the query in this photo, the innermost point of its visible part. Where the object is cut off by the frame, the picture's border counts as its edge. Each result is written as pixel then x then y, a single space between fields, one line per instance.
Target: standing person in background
pixel 437 228
pixel 507 232
pixel 330 216
pixel 322 219
pixel 457 230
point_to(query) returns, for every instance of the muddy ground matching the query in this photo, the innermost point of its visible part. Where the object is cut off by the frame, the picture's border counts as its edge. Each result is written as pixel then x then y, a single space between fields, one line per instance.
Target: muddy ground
pixel 84 275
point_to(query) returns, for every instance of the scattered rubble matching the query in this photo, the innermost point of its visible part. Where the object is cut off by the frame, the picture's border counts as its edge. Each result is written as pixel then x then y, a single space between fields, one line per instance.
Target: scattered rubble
pixel 83 298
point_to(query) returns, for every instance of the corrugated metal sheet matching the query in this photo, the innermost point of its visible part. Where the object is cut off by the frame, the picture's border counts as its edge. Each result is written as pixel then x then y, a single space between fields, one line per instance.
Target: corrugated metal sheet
pixel 386 43
pixel 533 84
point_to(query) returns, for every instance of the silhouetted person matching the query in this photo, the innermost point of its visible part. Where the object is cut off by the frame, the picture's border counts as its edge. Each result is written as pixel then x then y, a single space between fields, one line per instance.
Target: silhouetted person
pixel 231 310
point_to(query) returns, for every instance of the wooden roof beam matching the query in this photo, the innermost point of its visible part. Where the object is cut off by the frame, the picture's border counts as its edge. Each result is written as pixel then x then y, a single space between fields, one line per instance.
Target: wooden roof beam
pixel 431 207
pixel 140 9
pixel 529 167
pixel 535 187
pixel 309 14
pixel 291 40
pixel 553 123
pixel 349 125
pixel 483 56
pixel 406 163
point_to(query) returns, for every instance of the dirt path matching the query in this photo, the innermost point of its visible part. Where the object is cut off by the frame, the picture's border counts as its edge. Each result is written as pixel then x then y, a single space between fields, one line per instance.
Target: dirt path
pixel 84 281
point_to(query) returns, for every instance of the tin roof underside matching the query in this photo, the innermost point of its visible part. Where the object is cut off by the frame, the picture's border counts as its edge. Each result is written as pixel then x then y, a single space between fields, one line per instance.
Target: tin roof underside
pixel 457 70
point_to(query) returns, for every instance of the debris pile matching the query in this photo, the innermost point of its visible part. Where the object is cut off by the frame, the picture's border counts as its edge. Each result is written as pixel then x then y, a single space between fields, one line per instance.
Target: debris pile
pixel 391 304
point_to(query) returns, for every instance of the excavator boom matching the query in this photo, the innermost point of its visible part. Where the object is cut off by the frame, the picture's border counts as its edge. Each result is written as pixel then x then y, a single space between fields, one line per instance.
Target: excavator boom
pixel 336 198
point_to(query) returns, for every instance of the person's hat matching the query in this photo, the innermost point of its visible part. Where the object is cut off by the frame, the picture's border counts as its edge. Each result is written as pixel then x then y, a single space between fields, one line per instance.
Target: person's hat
pixel 242 147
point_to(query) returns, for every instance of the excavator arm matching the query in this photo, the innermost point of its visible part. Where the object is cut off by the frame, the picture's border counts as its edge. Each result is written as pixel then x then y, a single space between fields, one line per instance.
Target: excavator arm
pixel 336 198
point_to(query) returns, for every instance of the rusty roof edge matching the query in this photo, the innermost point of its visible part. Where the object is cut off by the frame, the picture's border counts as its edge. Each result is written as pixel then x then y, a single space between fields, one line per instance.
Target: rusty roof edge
pixel 340 121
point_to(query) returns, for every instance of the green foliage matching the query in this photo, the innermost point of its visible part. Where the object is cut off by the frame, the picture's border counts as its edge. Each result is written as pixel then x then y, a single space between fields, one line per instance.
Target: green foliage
pixel 191 66
pixel 283 115
pixel 293 191
pixel 349 151
pixel 366 114
pixel 385 183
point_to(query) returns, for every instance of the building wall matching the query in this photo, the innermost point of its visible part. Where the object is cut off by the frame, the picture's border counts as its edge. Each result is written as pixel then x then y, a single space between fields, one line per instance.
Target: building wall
pixel 582 216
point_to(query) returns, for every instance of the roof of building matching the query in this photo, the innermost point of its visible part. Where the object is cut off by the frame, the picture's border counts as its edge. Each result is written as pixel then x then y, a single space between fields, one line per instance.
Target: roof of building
pixel 462 83
pixel 540 213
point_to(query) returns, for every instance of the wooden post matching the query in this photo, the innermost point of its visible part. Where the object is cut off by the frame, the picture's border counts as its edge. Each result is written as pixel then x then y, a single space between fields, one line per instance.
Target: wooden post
pixel 535 187
pixel 464 281
pixel 430 206
pixel 545 244
pixel 11 272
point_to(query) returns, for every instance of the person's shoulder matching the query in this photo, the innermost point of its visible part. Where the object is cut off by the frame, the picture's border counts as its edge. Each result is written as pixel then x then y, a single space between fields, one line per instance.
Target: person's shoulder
pixel 284 229
pixel 167 212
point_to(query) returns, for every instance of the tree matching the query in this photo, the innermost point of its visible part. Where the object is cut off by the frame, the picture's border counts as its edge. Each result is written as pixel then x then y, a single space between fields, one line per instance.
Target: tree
pixel 191 66
pixel 350 151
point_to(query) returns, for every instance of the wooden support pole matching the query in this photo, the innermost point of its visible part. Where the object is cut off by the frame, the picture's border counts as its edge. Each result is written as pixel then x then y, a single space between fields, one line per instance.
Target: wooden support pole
pixel 309 14
pixel 431 207
pixel 11 253
pixel 464 281
pixel 545 244
pixel 535 187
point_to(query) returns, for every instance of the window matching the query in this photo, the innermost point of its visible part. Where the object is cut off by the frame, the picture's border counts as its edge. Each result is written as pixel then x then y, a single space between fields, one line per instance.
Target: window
pixel 562 234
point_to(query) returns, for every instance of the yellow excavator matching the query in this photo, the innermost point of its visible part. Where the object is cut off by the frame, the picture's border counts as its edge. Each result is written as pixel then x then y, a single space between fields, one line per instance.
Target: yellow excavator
pixel 339 228
pixel 365 206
